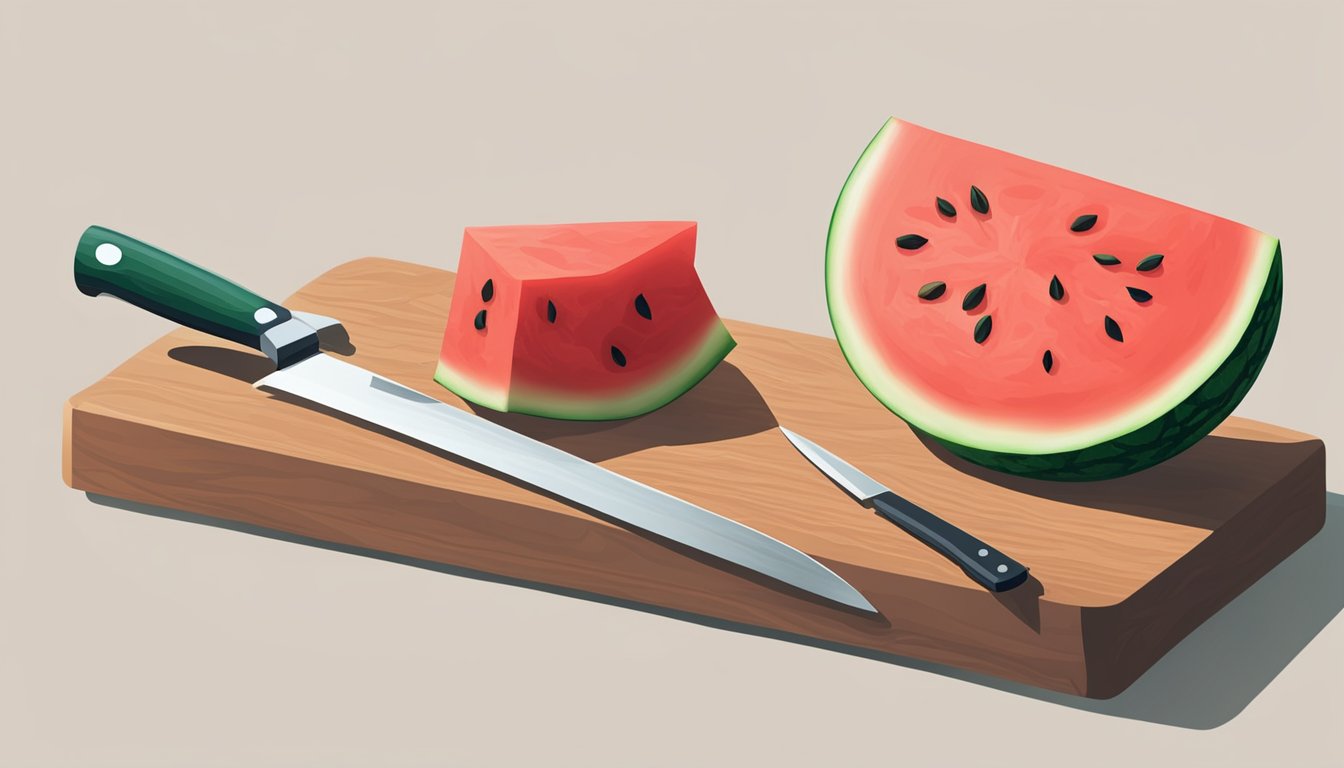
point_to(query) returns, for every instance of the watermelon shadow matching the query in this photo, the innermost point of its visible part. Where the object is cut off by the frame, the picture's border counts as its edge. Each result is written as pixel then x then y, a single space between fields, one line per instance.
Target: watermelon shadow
pixel 1197 487
pixel 724 405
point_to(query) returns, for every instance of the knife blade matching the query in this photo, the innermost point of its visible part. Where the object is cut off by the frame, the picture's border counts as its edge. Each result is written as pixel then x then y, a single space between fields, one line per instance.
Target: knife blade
pixel 108 262
pixel 988 566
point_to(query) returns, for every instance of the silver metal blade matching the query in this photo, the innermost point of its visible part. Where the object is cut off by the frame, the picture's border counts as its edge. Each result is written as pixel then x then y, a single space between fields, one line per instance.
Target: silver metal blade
pixel 364 395
pixel 857 484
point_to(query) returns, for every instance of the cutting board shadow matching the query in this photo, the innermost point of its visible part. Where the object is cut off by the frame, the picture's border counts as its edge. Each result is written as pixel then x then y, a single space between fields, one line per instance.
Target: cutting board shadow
pixel 1204 682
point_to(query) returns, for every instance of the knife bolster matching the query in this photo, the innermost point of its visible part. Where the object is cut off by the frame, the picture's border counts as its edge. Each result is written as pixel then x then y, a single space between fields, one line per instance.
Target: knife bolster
pixel 288 342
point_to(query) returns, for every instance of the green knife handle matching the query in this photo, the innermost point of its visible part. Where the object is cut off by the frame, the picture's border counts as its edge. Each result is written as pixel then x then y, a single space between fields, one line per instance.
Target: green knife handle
pixel 108 262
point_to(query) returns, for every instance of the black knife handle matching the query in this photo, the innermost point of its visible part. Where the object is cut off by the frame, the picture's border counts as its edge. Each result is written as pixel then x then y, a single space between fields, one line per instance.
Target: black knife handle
pixel 988 566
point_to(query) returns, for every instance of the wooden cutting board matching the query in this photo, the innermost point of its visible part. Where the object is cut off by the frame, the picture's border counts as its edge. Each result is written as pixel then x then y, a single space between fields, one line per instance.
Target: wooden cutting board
pixel 1121 569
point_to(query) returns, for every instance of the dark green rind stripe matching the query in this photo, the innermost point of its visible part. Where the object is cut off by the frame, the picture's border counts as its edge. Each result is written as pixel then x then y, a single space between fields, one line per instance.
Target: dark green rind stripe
pixel 1174 431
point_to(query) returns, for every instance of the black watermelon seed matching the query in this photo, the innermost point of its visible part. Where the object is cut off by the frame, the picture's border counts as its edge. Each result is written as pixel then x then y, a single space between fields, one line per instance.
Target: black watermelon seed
pixel 642 307
pixel 978 200
pixel 1105 259
pixel 488 290
pixel 618 357
pixel 1056 288
pixel 1150 263
pixel 1047 361
pixel 931 291
pixel 982 329
pixel 911 242
pixel 550 311
pixel 1084 222
pixel 1139 295
pixel 1113 329
pixel 480 320
pixel 945 208
pixel 973 297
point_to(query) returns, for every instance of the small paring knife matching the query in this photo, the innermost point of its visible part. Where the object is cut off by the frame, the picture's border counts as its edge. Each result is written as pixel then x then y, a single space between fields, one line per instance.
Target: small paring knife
pixel 988 566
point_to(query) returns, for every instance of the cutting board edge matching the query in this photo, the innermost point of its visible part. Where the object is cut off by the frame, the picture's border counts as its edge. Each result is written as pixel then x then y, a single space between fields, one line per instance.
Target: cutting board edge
pixel 1116 658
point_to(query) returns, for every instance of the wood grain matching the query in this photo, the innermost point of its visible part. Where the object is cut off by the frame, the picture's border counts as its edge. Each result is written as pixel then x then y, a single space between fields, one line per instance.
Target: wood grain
pixel 1121 569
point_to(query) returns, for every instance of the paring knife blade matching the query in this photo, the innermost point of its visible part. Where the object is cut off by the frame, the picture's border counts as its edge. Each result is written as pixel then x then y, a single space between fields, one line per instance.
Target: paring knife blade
pixel 107 262
pixel 988 566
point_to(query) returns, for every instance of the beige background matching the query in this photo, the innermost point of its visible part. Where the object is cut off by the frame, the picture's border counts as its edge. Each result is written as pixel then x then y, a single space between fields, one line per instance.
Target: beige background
pixel 274 140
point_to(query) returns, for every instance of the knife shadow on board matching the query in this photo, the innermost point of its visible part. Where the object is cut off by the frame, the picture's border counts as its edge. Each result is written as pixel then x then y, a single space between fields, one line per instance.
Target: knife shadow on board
pixel 1202 683
pixel 668 428
pixel 724 405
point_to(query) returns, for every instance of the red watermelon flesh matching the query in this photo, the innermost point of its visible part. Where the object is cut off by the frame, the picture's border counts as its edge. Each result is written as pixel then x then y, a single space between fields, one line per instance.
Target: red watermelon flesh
pixel 1029 317
pixel 579 321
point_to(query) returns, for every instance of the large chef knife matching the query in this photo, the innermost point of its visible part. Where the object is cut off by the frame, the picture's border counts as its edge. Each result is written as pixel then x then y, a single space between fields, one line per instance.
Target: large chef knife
pixel 988 566
pixel 108 262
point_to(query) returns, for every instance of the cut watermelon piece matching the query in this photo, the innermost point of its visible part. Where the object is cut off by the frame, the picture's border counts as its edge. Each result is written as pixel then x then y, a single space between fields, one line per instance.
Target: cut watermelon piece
pixel 579 321
pixel 1038 321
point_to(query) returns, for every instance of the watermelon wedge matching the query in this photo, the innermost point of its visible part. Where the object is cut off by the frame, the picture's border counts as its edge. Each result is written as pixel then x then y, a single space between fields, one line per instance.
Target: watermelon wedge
pixel 1038 321
pixel 579 321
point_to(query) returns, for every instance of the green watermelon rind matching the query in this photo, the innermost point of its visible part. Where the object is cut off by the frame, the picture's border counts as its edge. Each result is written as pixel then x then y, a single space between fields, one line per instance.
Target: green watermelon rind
pixel 1173 432
pixel 1138 446
pixel 684 374
pixel 469 389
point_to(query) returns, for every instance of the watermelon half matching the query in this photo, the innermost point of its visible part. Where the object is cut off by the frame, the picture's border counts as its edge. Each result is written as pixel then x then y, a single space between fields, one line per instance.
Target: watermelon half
pixel 579 321
pixel 1038 321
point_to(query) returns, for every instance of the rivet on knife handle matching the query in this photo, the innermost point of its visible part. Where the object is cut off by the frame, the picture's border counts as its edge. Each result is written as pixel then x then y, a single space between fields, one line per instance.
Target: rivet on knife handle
pixel 108 262
pixel 988 566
